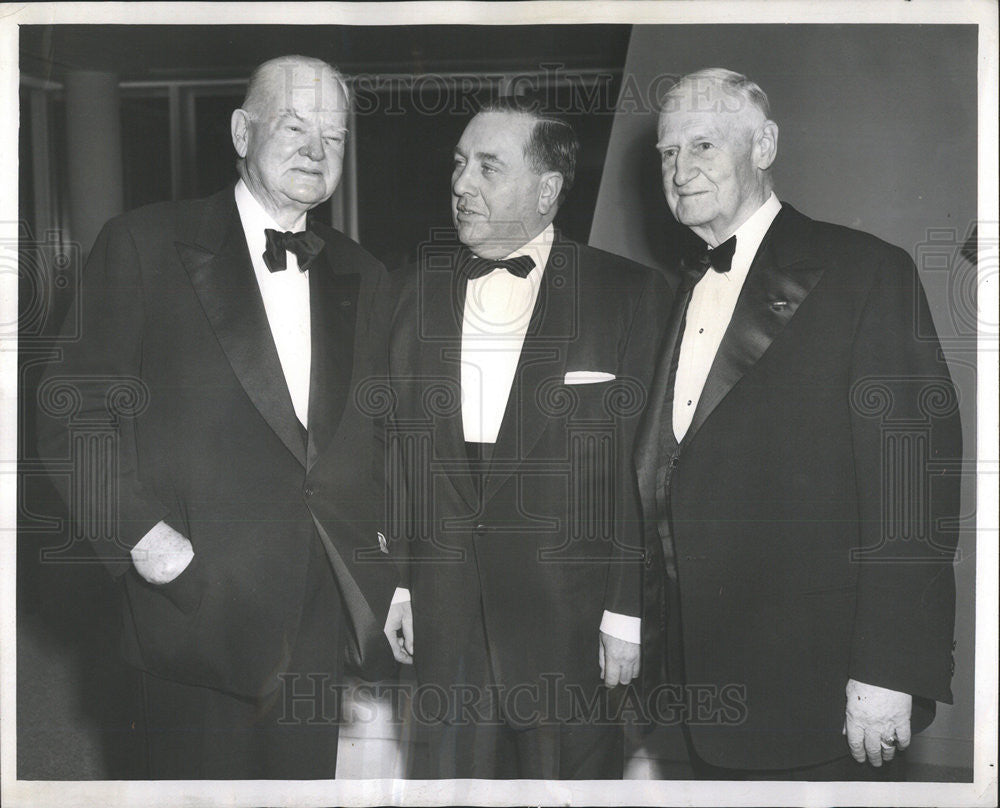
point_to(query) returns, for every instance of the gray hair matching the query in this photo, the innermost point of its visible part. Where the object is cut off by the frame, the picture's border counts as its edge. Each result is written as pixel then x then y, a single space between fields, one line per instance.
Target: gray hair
pixel 729 81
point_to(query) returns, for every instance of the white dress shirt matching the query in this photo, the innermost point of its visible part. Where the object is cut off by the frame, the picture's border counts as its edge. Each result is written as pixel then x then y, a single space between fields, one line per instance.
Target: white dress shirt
pixel 286 303
pixel 712 304
pixel 286 299
pixel 498 309
pixel 497 313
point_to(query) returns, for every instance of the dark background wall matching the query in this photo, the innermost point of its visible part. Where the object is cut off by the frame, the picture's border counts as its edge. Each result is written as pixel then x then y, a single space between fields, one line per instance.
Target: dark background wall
pixel 417 87
pixel 878 131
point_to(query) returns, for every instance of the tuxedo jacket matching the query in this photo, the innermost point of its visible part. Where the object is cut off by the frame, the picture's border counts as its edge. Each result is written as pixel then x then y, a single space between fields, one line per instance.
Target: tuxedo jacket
pixel 548 536
pixel 806 523
pixel 176 364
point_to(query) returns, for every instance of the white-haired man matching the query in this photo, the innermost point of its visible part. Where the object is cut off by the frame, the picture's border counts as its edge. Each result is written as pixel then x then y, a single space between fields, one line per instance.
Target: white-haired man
pixel 245 486
pixel 798 568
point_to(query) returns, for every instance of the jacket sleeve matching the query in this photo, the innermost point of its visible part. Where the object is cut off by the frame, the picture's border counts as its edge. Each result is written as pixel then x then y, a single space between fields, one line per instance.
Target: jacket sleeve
pixel 399 520
pixel 624 588
pixel 374 398
pixel 907 447
pixel 89 400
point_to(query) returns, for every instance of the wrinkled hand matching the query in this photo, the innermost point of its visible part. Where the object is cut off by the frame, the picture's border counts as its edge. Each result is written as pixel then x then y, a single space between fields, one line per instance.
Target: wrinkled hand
pixel 619 660
pixel 400 621
pixel 162 554
pixel 877 723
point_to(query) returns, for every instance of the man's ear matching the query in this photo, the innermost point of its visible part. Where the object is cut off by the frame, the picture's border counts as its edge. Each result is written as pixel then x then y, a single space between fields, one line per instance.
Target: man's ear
pixel 549 188
pixel 765 145
pixel 239 126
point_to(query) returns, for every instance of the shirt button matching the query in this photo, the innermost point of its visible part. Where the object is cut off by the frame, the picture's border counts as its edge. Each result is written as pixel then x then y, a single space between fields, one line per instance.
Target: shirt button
pixel 701 330
pixel 689 402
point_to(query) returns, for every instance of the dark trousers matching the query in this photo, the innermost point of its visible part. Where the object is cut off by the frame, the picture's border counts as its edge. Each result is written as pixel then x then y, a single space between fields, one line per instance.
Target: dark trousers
pixel 476 740
pixel 843 768
pixel 500 752
pixel 199 733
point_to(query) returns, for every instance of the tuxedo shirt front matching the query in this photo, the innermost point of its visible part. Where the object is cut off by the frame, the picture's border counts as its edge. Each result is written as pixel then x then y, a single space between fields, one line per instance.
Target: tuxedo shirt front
pixel 495 319
pixel 286 298
pixel 713 302
pixel 286 303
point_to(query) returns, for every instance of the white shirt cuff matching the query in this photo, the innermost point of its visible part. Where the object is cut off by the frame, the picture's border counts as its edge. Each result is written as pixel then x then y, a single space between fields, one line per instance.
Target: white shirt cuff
pixel 400 596
pixel 622 626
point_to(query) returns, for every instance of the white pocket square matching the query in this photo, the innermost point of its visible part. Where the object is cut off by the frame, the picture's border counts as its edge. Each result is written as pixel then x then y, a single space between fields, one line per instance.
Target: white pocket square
pixel 588 377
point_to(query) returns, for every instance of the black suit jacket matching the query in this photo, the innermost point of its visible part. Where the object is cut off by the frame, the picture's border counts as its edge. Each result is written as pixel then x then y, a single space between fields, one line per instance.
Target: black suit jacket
pixel 807 518
pixel 177 368
pixel 554 538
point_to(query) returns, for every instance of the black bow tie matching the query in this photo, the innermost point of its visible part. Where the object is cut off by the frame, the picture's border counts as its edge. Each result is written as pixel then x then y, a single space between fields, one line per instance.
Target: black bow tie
pixel 305 245
pixel 718 258
pixel 475 267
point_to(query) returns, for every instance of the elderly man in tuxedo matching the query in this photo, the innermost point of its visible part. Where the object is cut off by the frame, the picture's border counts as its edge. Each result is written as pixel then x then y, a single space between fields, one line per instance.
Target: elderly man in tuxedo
pixel 794 562
pixel 244 493
pixel 518 362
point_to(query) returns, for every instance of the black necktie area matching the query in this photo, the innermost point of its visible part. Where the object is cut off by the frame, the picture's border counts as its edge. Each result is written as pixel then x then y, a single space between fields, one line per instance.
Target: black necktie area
pixel 719 258
pixel 305 245
pixel 475 267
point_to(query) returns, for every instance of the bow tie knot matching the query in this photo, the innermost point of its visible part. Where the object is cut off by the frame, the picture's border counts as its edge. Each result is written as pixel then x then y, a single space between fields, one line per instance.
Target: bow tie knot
pixel 475 267
pixel 305 246
pixel 719 258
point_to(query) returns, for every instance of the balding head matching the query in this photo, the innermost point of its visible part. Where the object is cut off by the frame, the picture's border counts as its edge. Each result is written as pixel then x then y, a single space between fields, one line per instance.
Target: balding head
pixel 290 135
pixel 274 80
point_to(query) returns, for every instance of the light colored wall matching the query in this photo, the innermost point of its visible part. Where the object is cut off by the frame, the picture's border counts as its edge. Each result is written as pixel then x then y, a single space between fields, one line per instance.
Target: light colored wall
pixel 878 132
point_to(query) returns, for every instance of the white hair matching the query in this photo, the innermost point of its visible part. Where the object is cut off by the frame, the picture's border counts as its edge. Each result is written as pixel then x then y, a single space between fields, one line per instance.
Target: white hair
pixel 729 81
pixel 262 76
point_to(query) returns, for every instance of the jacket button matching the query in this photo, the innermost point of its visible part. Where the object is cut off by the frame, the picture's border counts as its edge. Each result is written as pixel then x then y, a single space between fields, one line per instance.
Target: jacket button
pixel 649 558
pixel 480 529
pixel 309 491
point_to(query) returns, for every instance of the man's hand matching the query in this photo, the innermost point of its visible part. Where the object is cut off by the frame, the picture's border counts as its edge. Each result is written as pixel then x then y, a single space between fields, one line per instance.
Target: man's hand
pixel 619 660
pixel 878 721
pixel 400 620
pixel 162 554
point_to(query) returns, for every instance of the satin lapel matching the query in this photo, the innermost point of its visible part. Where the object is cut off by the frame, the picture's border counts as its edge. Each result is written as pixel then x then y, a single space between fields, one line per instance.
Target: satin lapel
pixel 333 304
pixel 656 434
pixel 441 306
pixel 779 280
pixel 554 324
pixel 222 276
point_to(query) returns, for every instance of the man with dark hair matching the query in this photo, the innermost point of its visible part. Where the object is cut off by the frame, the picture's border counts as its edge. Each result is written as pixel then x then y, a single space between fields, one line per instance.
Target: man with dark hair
pixel 518 361
pixel 552 144
pixel 785 466
pixel 244 501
